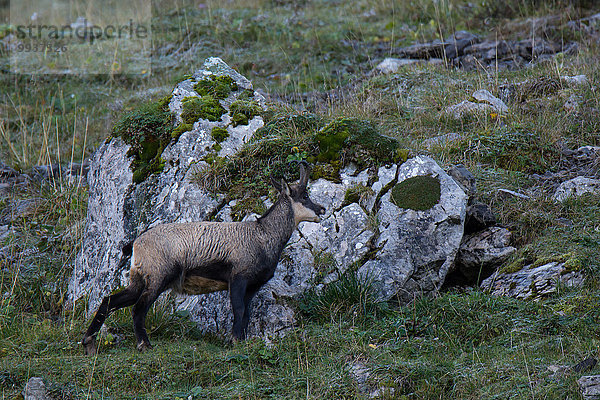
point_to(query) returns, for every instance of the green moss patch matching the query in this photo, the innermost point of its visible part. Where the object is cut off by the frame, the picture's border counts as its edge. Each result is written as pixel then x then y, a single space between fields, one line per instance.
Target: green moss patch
pixel 147 130
pixel 219 134
pixel 243 111
pixel 181 129
pixel 205 107
pixel 218 87
pixel 357 193
pixel 418 193
pixel 354 140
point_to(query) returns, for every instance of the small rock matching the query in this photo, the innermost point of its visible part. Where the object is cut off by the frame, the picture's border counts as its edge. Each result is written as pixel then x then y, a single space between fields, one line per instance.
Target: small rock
pixel 575 80
pixel 464 178
pixel 483 96
pixel 576 187
pixel 482 101
pixel 35 389
pixel 506 194
pixel 360 373
pixel 482 252
pixel 532 282
pixel 392 65
pixel 479 216
pixel 442 140
pixel 585 365
pixel 589 387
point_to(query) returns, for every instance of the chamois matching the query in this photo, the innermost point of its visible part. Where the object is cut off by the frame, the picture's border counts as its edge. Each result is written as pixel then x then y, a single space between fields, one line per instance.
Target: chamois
pixel 204 257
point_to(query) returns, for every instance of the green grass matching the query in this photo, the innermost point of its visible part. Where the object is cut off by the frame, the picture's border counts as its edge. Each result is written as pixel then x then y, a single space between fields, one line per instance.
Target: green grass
pixel 457 345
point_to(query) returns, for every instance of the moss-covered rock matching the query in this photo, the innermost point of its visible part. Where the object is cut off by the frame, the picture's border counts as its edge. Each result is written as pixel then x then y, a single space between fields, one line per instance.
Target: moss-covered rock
pixel 182 128
pixel 205 107
pixel 354 140
pixel 147 129
pixel 218 87
pixel 418 193
pixel 219 134
pixel 243 111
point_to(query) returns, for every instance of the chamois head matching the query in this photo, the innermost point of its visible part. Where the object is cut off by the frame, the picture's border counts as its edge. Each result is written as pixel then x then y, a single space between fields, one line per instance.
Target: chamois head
pixel 303 206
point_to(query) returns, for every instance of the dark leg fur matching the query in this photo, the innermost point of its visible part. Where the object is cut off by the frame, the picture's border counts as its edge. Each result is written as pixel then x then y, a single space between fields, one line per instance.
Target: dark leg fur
pixel 250 293
pixel 125 298
pixel 140 310
pixel 237 292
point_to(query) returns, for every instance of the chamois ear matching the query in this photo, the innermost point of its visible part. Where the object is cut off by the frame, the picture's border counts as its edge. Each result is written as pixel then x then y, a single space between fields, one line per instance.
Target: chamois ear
pixel 304 174
pixel 281 186
pixel 285 188
pixel 276 184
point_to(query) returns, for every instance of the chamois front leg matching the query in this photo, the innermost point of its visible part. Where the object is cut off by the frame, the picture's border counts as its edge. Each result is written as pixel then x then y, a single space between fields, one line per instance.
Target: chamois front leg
pixel 250 293
pixel 237 294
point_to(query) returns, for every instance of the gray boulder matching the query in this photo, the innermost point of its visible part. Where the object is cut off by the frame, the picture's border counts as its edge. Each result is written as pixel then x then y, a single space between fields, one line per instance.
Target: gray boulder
pixel 417 248
pixel 119 210
pixel 482 252
pixel 533 281
pixel 576 187
pixel 590 387
pixel 35 389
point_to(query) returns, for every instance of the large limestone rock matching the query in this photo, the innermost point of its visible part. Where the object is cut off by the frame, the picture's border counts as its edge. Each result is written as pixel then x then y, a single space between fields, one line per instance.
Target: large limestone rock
pixel 405 252
pixel 119 210
pixel 417 248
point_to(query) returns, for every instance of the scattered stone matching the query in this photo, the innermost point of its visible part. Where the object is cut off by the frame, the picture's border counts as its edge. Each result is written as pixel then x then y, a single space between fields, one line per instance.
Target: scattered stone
pixel 484 96
pixel 532 281
pixel 464 178
pixel 481 101
pixel 360 373
pixel 479 217
pixel 442 140
pixel 35 389
pixel 576 187
pixel 507 194
pixel 482 252
pixel 589 386
pixel 573 104
pixel 458 42
pixel 392 65
pixel 585 365
pixel 575 80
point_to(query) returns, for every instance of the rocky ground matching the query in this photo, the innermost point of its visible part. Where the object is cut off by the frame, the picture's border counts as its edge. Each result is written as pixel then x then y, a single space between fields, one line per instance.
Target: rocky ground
pixel 501 112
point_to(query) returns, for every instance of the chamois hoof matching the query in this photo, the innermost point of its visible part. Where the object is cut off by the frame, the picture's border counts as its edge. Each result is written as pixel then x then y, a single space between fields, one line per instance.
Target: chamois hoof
pixel 89 346
pixel 144 347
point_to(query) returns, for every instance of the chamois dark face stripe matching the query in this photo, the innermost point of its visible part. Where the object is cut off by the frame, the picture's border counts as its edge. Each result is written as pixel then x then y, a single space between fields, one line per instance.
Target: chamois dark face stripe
pixel 202 257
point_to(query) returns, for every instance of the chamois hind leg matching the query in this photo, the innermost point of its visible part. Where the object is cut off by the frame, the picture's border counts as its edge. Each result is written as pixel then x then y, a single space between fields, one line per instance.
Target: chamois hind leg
pixel 140 310
pixel 125 298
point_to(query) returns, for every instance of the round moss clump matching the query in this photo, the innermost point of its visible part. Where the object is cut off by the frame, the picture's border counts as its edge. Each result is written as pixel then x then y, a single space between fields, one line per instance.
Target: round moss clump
pixel 219 134
pixel 218 87
pixel 205 107
pixel 243 111
pixel 354 140
pixel 418 193
pixel 147 129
